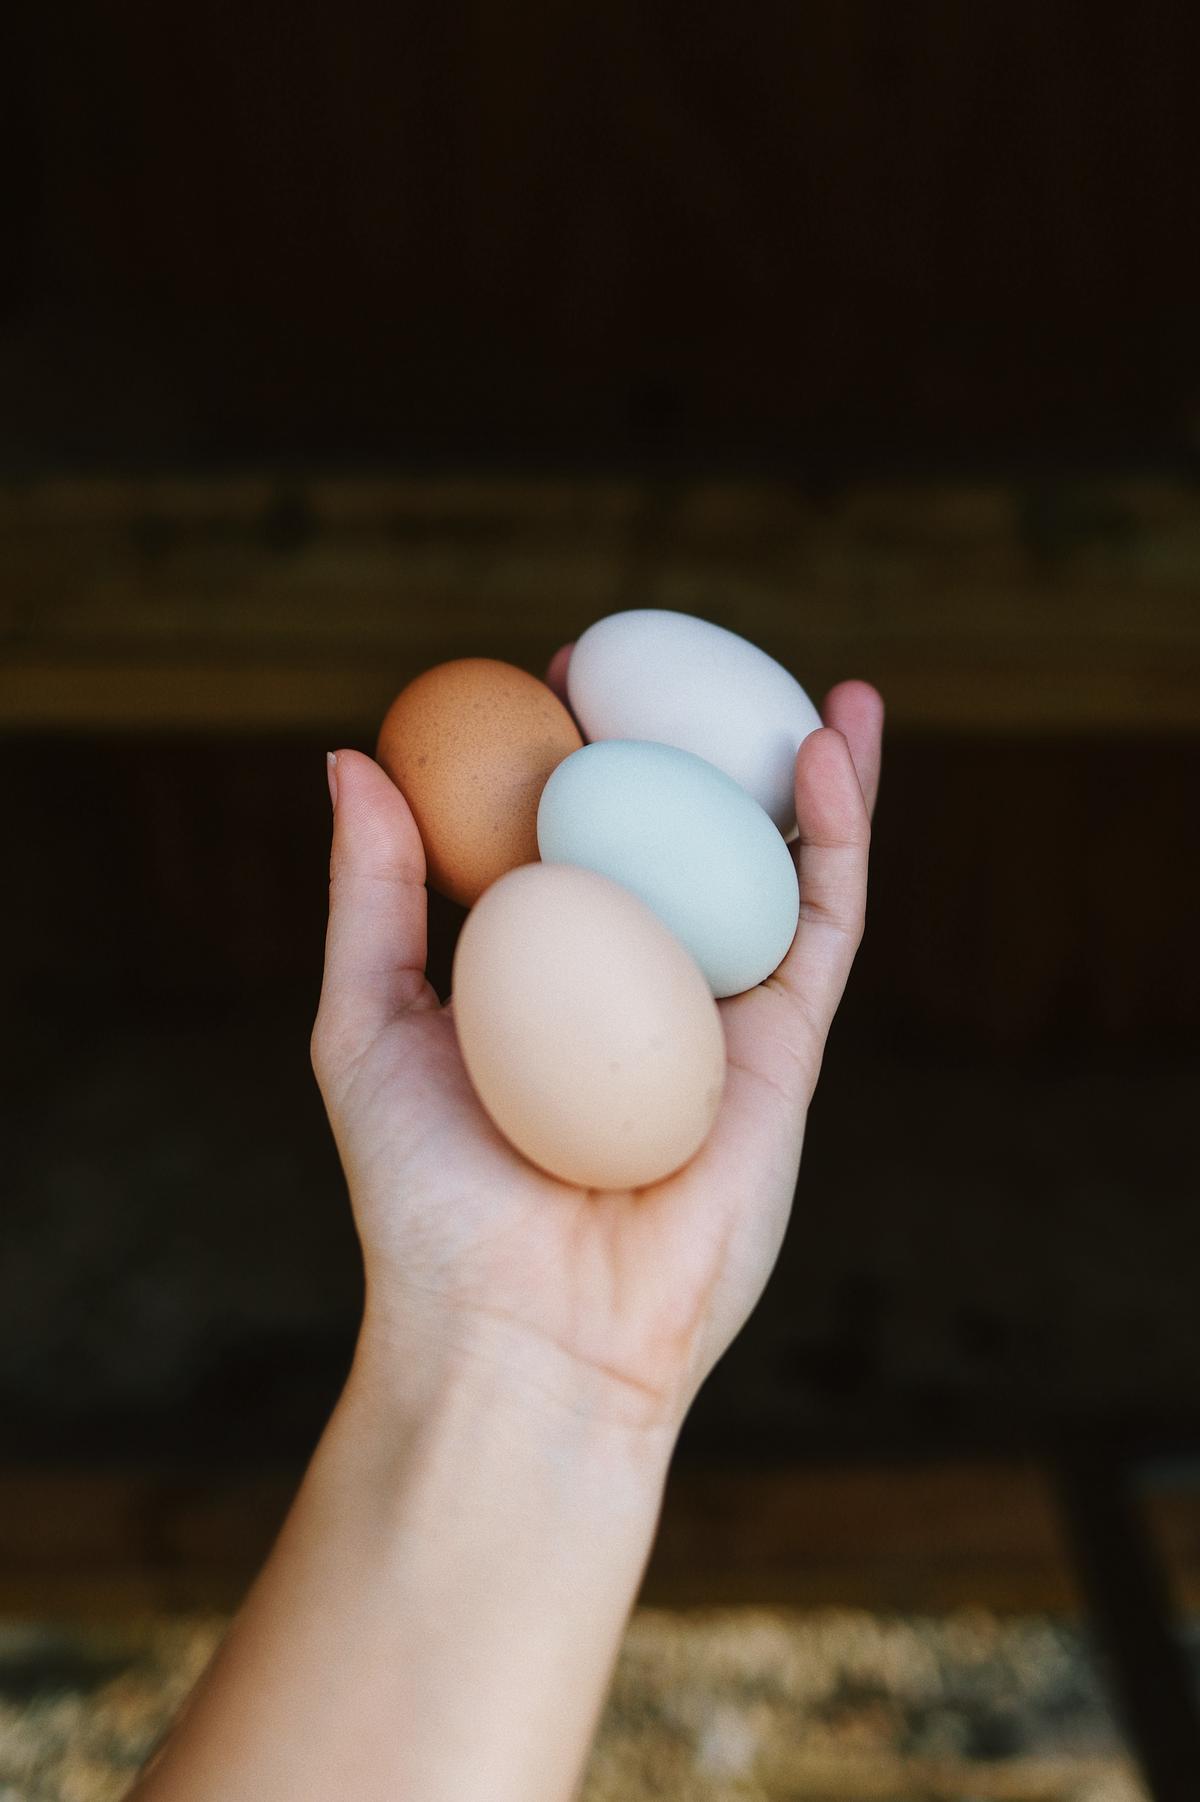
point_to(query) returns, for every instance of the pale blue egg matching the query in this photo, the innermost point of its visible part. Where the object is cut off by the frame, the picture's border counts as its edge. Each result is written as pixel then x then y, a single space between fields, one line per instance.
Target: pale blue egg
pixel 688 840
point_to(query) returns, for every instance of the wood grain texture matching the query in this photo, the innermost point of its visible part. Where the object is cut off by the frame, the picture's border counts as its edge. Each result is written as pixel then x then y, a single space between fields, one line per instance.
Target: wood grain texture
pixel 245 602
pixel 917 1538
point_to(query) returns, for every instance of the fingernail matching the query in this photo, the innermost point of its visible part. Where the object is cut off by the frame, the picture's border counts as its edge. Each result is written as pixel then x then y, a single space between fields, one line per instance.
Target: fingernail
pixel 331 772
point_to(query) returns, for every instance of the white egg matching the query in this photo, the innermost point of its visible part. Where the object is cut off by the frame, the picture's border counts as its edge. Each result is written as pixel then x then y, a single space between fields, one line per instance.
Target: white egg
pixel 688 840
pixel 653 674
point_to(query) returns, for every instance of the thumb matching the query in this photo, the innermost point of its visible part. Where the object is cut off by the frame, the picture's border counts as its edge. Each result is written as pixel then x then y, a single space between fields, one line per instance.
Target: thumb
pixel 375 944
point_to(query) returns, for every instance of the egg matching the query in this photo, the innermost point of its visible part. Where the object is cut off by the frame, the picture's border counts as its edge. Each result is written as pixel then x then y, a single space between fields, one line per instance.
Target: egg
pixel 587 1030
pixel 470 744
pixel 689 841
pixel 650 673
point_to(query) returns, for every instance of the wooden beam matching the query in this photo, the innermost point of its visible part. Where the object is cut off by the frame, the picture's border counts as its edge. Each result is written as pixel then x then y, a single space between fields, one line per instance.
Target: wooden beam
pixel 913 1538
pixel 256 603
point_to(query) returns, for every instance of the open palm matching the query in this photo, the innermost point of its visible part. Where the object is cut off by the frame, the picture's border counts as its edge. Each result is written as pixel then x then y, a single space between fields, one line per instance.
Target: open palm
pixel 617 1300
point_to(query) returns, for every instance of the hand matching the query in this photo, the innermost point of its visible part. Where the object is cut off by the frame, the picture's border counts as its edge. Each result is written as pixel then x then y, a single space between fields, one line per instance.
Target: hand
pixel 442 1609
pixel 612 1303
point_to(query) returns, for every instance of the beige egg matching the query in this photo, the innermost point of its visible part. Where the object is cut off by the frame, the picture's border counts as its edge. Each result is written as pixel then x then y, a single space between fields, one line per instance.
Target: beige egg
pixel 470 745
pixel 589 1033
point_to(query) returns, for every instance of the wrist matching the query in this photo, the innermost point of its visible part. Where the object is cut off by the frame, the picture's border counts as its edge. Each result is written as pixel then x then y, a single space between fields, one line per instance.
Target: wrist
pixel 507 1522
pixel 490 1399
pixel 442 1610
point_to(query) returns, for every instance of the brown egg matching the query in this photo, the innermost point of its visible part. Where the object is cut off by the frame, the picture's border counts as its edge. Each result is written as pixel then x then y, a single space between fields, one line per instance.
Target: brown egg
pixel 471 744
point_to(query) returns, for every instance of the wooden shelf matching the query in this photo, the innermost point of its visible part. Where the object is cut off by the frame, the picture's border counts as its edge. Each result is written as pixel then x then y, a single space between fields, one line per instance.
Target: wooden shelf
pixel 250 603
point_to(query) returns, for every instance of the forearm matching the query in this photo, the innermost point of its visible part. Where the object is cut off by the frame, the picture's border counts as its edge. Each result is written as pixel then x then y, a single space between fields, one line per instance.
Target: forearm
pixel 440 1615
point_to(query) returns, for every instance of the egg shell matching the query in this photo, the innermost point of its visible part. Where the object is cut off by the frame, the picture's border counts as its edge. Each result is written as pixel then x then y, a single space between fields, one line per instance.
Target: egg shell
pixel 588 1032
pixel 651 673
pixel 689 841
pixel 470 744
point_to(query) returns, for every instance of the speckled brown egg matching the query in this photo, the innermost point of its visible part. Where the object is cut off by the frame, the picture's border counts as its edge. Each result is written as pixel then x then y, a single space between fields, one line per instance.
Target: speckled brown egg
pixel 471 744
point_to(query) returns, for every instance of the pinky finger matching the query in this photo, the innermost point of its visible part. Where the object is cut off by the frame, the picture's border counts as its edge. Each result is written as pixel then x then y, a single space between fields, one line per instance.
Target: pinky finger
pixel 856 710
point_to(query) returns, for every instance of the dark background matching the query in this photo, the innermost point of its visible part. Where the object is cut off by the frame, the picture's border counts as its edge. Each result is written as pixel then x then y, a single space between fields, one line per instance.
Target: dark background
pixel 840 237
pixel 818 246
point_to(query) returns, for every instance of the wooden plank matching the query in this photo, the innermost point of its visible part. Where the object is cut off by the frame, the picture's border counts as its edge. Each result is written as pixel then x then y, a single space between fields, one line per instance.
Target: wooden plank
pixel 245 602
pixel 345 702
pixel 906 1537
pixel 910 1538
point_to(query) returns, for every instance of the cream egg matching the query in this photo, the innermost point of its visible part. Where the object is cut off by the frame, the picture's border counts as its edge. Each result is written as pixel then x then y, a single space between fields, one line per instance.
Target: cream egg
pixel 588 1031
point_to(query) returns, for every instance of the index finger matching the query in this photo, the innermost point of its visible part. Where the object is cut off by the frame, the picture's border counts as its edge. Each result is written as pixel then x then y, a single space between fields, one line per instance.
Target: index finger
pixel 556 674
